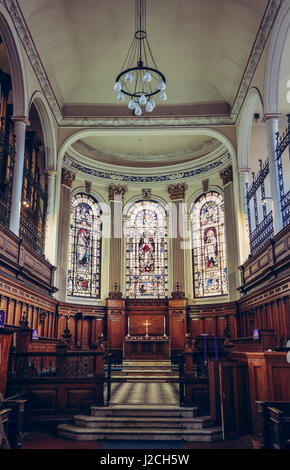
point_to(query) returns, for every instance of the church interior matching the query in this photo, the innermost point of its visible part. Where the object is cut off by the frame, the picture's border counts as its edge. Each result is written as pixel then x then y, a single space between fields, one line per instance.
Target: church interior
pixel 145 224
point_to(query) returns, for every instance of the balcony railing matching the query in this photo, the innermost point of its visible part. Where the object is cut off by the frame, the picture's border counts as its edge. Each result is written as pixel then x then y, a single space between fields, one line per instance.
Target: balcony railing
pixel 263 232
pixel 31 235
pixel 283 142
pixel 7 161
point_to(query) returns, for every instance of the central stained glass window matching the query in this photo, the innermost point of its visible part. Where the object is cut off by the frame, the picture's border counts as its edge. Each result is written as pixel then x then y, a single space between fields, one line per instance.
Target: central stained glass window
pixel 147 251
pixel 84 271
pixel 209 256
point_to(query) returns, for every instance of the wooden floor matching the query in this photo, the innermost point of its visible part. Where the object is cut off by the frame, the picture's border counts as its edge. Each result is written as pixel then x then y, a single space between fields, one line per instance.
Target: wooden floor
pixel 158 393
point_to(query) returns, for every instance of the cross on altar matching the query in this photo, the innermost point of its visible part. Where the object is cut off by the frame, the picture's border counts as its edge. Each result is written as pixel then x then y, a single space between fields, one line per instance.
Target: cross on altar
pixel 146 324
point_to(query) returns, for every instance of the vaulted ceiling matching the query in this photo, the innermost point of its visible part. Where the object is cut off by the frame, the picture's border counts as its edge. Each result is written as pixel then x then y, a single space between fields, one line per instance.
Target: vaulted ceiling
pixel 202 46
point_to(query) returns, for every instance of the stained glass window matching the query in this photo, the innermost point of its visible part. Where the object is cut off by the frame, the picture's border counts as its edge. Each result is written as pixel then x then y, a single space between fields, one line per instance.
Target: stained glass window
pixel 209 256
pixel 84 247
pixel 146 251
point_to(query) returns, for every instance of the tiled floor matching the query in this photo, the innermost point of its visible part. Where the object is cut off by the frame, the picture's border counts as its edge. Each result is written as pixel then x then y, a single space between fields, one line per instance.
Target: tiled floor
pixel 157 393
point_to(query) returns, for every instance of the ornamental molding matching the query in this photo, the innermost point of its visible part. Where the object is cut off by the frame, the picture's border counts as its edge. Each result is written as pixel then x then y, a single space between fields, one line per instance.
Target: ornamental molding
pixel 257 50
pixel 208 146
pixel 220 153
pixel 27 42
pixel 137 178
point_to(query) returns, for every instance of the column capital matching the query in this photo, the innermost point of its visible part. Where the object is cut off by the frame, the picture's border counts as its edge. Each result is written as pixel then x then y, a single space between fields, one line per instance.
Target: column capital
pixel 23 119
pixel 227 175
pixel 243 170
pixel 146 193
pixel 116 191
pixel 50 172
pixel 177 191
pixel 269 116
pixel 67 177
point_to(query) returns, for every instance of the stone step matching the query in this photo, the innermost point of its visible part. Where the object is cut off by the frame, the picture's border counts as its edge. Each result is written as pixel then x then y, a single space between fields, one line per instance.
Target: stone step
pixel 146 363
pixel 152 422
pixel 144 379
pixel 152 373
pixel 87 434
pixel 140 411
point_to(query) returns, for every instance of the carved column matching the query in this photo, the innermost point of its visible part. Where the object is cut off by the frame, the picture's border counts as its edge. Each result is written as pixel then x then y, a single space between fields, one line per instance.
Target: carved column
pixel 177 312
pixel 271 121
pixel 244 234
pixel 177 195
pixel 66 183
pixel 116 194
pixel 20 124
pixel 230 233
pixel 50 218
pixel 116 325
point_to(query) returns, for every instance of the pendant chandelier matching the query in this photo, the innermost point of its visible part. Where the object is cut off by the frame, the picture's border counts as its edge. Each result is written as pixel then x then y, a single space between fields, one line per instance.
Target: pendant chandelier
pixel 139 79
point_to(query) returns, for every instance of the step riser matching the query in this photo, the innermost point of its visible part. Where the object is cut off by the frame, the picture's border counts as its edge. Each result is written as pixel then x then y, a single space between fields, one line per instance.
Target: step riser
pixel 141 414
pixel 143 437
pixel 137 425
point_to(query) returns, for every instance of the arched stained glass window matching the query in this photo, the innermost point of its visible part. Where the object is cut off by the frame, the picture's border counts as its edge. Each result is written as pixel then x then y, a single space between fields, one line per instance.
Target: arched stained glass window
pixel 146 251
pixel 84 270
pixel 209 256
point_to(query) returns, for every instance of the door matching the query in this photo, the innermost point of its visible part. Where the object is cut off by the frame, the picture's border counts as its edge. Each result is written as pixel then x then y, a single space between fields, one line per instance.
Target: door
pixel 234 399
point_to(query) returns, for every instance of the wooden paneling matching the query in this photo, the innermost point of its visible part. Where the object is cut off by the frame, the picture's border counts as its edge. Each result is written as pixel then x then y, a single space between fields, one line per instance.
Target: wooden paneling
pixel 269 377
pixel 53 397
pixel 85 322
pixel 269 263
pixel 5 342
pixel 19 260
pixel 255 312
pixel 213 319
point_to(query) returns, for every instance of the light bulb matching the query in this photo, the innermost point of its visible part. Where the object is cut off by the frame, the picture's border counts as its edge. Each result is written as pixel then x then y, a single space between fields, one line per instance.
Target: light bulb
pixel 117 86
pixel 149 107
pixel 152 102
pixel 132 104
pixel 147 77
pixel 163 96
pixel 128 77
pixel 142 99
pixel 138 111
pixel 161 85
pixel 120 97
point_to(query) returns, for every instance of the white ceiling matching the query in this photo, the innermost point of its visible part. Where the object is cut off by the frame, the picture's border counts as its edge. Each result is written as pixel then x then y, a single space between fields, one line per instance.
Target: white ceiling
pixel 202 46
pixel 145 150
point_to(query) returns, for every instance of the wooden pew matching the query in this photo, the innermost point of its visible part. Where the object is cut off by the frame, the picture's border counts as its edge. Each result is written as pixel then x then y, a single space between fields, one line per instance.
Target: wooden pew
pixel 17 404
pixel 273 420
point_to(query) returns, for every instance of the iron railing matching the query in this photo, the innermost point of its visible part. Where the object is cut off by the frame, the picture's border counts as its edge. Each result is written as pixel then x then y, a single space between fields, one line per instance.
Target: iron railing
pixel 282 143
pixel 263 230
pixel 7 161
